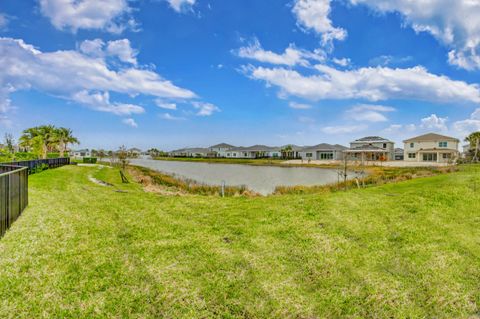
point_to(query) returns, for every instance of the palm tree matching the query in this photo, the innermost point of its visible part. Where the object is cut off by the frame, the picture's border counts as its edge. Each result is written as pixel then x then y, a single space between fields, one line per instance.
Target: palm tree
pixel 40 138
pixel 63 137
pixel 474 140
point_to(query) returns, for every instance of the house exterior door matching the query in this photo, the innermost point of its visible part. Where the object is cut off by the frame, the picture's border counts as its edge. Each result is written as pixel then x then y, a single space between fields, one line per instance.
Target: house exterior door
pixel 430 157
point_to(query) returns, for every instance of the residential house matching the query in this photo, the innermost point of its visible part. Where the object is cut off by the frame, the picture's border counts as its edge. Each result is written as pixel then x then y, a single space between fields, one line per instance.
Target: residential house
pixel 192 152
pixel 80 154
pixel 221 149
pixel 255 151
pixel 399 154
pixel 135 152
pixel 431 147
pixel 372 148
pixel 322 151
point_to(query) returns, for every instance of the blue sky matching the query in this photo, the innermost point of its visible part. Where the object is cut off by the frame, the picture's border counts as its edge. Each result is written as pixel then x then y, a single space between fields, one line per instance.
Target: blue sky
pixel 174 73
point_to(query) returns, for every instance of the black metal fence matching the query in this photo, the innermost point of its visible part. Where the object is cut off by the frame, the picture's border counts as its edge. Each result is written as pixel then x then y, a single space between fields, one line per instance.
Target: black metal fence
pixel 33 164
pixel 13 194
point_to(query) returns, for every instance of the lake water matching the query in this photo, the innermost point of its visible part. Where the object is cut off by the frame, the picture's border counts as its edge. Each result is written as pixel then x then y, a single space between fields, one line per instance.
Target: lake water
pixel 260 179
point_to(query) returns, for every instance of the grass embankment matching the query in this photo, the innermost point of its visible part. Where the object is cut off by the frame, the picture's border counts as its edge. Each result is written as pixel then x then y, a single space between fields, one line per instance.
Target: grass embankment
pixel 399 250
pixel 164 184
pixel 373 176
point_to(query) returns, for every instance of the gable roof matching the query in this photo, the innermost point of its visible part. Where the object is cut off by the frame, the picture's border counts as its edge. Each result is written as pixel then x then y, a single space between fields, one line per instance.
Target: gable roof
pixel 431 137
pixel 222 145
pixel 325 147
pixel 371 139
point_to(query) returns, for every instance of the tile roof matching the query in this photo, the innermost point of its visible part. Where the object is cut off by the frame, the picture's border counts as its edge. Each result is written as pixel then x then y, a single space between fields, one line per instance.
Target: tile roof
pixel 431 137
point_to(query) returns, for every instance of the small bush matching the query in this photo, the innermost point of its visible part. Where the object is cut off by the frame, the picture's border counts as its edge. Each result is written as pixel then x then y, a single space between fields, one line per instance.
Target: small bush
pixel 90 160
pixel 39 168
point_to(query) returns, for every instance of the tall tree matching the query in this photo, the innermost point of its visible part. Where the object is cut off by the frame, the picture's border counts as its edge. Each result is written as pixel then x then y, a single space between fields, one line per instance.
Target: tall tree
pixel 64 137
pixel 40 138
pixel 9 142
pixel 474 140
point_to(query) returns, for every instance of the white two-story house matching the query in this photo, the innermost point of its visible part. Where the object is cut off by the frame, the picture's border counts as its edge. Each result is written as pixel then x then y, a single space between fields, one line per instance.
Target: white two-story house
pixel 221 149
pixel 431 148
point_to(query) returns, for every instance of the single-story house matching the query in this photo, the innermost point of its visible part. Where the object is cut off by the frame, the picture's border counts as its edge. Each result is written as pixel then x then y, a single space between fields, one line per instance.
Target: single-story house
pixel 192 152
pixel 431 147
pixel 255 151
pixel 80 154
pixel 221 149
pixel 322 151
pixel 135 151
pixel 372 148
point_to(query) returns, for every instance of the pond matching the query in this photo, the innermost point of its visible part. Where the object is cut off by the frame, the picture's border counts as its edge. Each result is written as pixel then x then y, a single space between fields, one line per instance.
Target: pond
pixel 260 179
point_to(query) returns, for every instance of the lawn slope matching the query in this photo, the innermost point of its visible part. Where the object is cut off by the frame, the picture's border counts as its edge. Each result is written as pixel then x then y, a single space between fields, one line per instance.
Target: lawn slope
pixel 82 250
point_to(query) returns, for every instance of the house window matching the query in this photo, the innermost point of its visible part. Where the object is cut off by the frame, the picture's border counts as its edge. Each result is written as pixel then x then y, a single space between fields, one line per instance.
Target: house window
pixel 442 144
pixel 412 155
pixel 384 145
pixel 412 145
pixel 326 156
pixel 446 155
pixel 309 155
pixel 228 154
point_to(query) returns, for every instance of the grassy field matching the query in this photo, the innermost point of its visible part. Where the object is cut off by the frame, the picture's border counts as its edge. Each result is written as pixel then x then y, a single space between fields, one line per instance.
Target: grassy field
pixel 403 250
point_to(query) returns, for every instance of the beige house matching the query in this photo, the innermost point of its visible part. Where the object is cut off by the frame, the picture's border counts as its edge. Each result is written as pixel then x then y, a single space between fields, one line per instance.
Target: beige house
pixel 431 148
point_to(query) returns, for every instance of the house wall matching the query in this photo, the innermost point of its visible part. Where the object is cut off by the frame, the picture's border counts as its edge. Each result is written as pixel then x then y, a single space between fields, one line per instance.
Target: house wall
pixel 316 154
pixel 417 146
pixel 390 147
pixel 221 151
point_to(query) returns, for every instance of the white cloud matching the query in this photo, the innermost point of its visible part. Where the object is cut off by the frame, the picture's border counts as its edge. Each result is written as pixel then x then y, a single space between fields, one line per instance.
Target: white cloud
pixel 314 14
pixel 369 113
pixel 93 48
pixel 453 23
pixel 371 83
pixel 169 117
pixel 205 109
pixel 467 126
pixel 400 128
pixel 130 122
pixel 165 105
pixel 108 15
pixel 101 102
pixel 384 60
pixel 342 62
pixel 343 129
pixel 3 21
pixel 306 119
pixel 181 5
pixel 76 76
pixel 122 50
pixel 299 106
pixel 434 122
pixel 291 57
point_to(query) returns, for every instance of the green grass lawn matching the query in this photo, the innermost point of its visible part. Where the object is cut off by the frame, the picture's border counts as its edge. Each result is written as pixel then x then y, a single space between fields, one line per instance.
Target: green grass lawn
pixel 404 250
